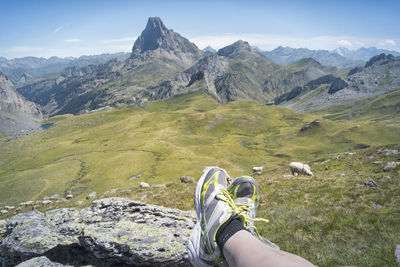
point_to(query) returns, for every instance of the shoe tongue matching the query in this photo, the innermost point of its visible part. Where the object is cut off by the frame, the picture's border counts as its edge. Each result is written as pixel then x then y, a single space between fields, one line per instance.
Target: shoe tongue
pixel 245 190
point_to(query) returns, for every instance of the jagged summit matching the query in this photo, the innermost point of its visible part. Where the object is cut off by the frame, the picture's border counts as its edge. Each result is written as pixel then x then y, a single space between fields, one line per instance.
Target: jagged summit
pixel 308 61
pixel 382 58
pixel 230 50
pixel 157 36
pixel 209 49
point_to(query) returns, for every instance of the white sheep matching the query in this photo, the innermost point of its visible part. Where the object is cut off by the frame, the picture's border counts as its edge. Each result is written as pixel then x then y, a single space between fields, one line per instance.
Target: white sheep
pixel 258 170
pixel 299 168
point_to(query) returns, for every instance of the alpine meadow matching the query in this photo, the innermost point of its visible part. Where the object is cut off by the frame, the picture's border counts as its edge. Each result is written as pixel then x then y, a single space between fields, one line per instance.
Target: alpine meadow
pixel 100 154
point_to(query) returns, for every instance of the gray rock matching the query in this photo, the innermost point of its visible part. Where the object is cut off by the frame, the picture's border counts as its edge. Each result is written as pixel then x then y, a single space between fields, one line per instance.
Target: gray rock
pixel 144 185
pixel 47 202
pixel 135 177
pixel 91 195
pixel 397 253
pixel 3 212
pixel 54 197
pixel 69 196
pixel 9 207
pixel 390 152
pixel 29 203
pixel 113 231
pixel 389 166
pixel 187 179
pixel 40 262
pixel 371 183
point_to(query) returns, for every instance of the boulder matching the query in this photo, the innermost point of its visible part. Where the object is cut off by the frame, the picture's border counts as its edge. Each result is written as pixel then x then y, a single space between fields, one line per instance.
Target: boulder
pixel 3 212
pixel 54 197
pixel 112 232
pixel 91 195
pixel 371 183
pixel 9 207
pixel 29 203
pixel 187 179
pixel 47 202
pixel 69 196
pixel 390 165
pixel 143 184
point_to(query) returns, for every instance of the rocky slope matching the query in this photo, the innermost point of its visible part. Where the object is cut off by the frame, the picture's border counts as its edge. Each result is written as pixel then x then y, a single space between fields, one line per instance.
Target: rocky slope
pixel 17 115
pixel 381 74
pixel 295 75
pixel 112 232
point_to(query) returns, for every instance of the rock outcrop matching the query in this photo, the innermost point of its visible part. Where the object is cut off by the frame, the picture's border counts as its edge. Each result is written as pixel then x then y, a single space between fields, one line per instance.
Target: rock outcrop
pixel 113 231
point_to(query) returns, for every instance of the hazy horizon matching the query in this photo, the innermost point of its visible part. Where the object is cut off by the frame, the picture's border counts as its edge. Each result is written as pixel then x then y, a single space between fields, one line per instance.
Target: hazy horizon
pixel 76 28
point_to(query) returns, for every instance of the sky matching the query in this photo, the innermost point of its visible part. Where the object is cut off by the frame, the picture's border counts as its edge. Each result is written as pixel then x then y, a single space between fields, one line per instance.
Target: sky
pixel 86 27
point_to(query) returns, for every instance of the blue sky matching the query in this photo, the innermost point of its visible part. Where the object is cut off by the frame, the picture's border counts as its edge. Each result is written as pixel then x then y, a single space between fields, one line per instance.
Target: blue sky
pixel 74 28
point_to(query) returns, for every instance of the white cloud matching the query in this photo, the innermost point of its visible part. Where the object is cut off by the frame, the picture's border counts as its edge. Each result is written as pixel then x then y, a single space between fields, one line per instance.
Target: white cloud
pixel 391 42
pixel 58 29
pixel 75 40
pixel 344 43
pixel 120 40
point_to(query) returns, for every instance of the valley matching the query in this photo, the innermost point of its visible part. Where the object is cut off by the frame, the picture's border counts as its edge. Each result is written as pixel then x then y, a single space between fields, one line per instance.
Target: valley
pixel 170 109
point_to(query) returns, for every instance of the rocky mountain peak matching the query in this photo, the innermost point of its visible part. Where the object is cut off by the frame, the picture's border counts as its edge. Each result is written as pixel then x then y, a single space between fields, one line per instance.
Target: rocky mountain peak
pixel 309 61
pixel 238 46
pixel 157 36
pixel 382 58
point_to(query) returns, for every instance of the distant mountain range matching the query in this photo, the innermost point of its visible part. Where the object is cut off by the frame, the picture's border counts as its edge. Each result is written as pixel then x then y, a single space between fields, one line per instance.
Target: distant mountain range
pixel 340 57
pixel 164 64
pixel 23 70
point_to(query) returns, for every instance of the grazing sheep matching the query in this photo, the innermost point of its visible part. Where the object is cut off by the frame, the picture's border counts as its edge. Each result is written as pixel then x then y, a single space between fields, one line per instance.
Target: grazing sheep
pixel 258 170
pixel 299 168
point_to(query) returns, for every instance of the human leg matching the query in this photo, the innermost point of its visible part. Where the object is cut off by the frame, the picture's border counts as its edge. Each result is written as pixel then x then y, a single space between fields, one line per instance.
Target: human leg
pixel 243 249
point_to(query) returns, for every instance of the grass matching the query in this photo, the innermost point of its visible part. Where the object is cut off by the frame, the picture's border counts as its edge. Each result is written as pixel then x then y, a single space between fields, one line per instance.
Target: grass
pixel 324 219
pixel 382 108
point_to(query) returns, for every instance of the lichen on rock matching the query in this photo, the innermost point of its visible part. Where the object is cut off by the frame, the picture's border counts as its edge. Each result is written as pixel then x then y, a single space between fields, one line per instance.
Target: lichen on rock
pixel 113 231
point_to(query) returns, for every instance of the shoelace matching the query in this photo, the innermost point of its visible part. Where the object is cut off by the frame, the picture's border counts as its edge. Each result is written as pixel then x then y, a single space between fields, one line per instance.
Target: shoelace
pixel 240 209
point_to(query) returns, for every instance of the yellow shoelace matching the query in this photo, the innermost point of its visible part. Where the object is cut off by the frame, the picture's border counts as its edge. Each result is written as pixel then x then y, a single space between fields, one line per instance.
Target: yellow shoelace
pixel 240 209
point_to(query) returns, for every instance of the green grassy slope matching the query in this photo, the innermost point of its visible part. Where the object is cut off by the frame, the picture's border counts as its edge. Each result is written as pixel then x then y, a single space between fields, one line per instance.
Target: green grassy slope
pixel 382 108
pixel 325 218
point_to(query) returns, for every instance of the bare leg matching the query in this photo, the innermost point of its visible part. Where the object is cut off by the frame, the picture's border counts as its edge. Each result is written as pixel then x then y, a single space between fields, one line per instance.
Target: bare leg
pixel 243 249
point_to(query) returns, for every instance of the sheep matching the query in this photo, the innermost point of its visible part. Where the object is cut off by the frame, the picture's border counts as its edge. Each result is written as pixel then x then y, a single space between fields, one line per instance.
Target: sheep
pixel 299 168
pixel 258 170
